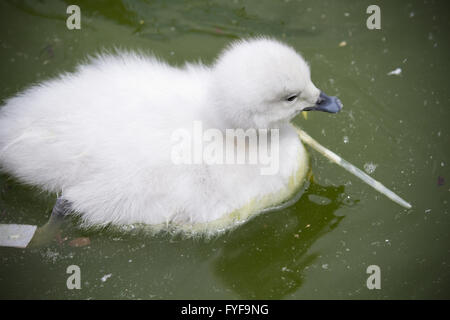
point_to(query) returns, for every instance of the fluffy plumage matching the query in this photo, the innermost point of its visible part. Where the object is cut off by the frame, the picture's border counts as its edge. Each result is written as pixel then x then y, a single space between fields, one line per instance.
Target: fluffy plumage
pixel 101 136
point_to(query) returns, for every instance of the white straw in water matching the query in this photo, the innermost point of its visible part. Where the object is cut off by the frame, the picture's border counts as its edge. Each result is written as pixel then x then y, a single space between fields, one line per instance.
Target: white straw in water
pixel 306 138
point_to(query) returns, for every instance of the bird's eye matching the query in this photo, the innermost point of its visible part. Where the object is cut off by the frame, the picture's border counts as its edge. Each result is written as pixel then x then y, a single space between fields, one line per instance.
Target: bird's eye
pixel 291 98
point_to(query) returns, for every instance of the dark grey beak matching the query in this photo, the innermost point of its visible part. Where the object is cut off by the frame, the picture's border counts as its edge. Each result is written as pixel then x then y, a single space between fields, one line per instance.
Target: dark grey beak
pixel 326 104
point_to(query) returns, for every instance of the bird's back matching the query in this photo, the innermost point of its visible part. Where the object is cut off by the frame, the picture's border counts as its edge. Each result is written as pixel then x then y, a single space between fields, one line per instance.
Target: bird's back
pixel 115 113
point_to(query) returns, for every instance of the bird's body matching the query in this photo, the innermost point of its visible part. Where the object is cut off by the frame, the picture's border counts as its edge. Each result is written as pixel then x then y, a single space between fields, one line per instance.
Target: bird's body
pixel 102 137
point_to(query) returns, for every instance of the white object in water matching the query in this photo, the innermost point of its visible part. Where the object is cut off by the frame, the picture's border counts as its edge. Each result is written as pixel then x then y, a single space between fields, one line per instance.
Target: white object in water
pixel 106 277
pixel 395 72
pixel 16 235
pixel 352 169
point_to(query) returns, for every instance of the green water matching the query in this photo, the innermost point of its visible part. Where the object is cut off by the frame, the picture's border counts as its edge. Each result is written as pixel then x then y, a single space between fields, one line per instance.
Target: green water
pixel 321 246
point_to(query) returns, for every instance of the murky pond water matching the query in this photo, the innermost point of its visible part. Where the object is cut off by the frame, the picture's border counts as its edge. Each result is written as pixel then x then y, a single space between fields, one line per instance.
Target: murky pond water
pixel 394 126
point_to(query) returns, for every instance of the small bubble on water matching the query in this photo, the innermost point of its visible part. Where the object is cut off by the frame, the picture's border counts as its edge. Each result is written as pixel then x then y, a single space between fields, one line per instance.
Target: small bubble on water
pixel 370 167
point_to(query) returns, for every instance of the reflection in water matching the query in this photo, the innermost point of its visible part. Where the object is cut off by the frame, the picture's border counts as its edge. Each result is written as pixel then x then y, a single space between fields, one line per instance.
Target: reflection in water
pixel 120 12
pixel 262 260
pixel 156 20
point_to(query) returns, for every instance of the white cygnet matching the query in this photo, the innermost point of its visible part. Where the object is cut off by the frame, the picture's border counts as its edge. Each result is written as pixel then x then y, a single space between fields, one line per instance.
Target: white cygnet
pixel 103 136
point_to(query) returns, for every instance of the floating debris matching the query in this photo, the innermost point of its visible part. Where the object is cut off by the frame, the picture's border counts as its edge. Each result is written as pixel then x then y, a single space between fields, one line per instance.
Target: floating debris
pixel 80 242
pixel 441 181
pixel 16 235
pixel 50 255
pixel 342 43
pixel 106 277
pixel 351 168
pixel 395 72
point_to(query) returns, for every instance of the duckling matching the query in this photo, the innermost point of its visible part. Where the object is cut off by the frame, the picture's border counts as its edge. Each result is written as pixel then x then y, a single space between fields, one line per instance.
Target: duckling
pixel 102 136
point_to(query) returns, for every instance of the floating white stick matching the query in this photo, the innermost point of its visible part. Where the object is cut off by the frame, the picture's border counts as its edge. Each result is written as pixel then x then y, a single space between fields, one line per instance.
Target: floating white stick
pixel 306 138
